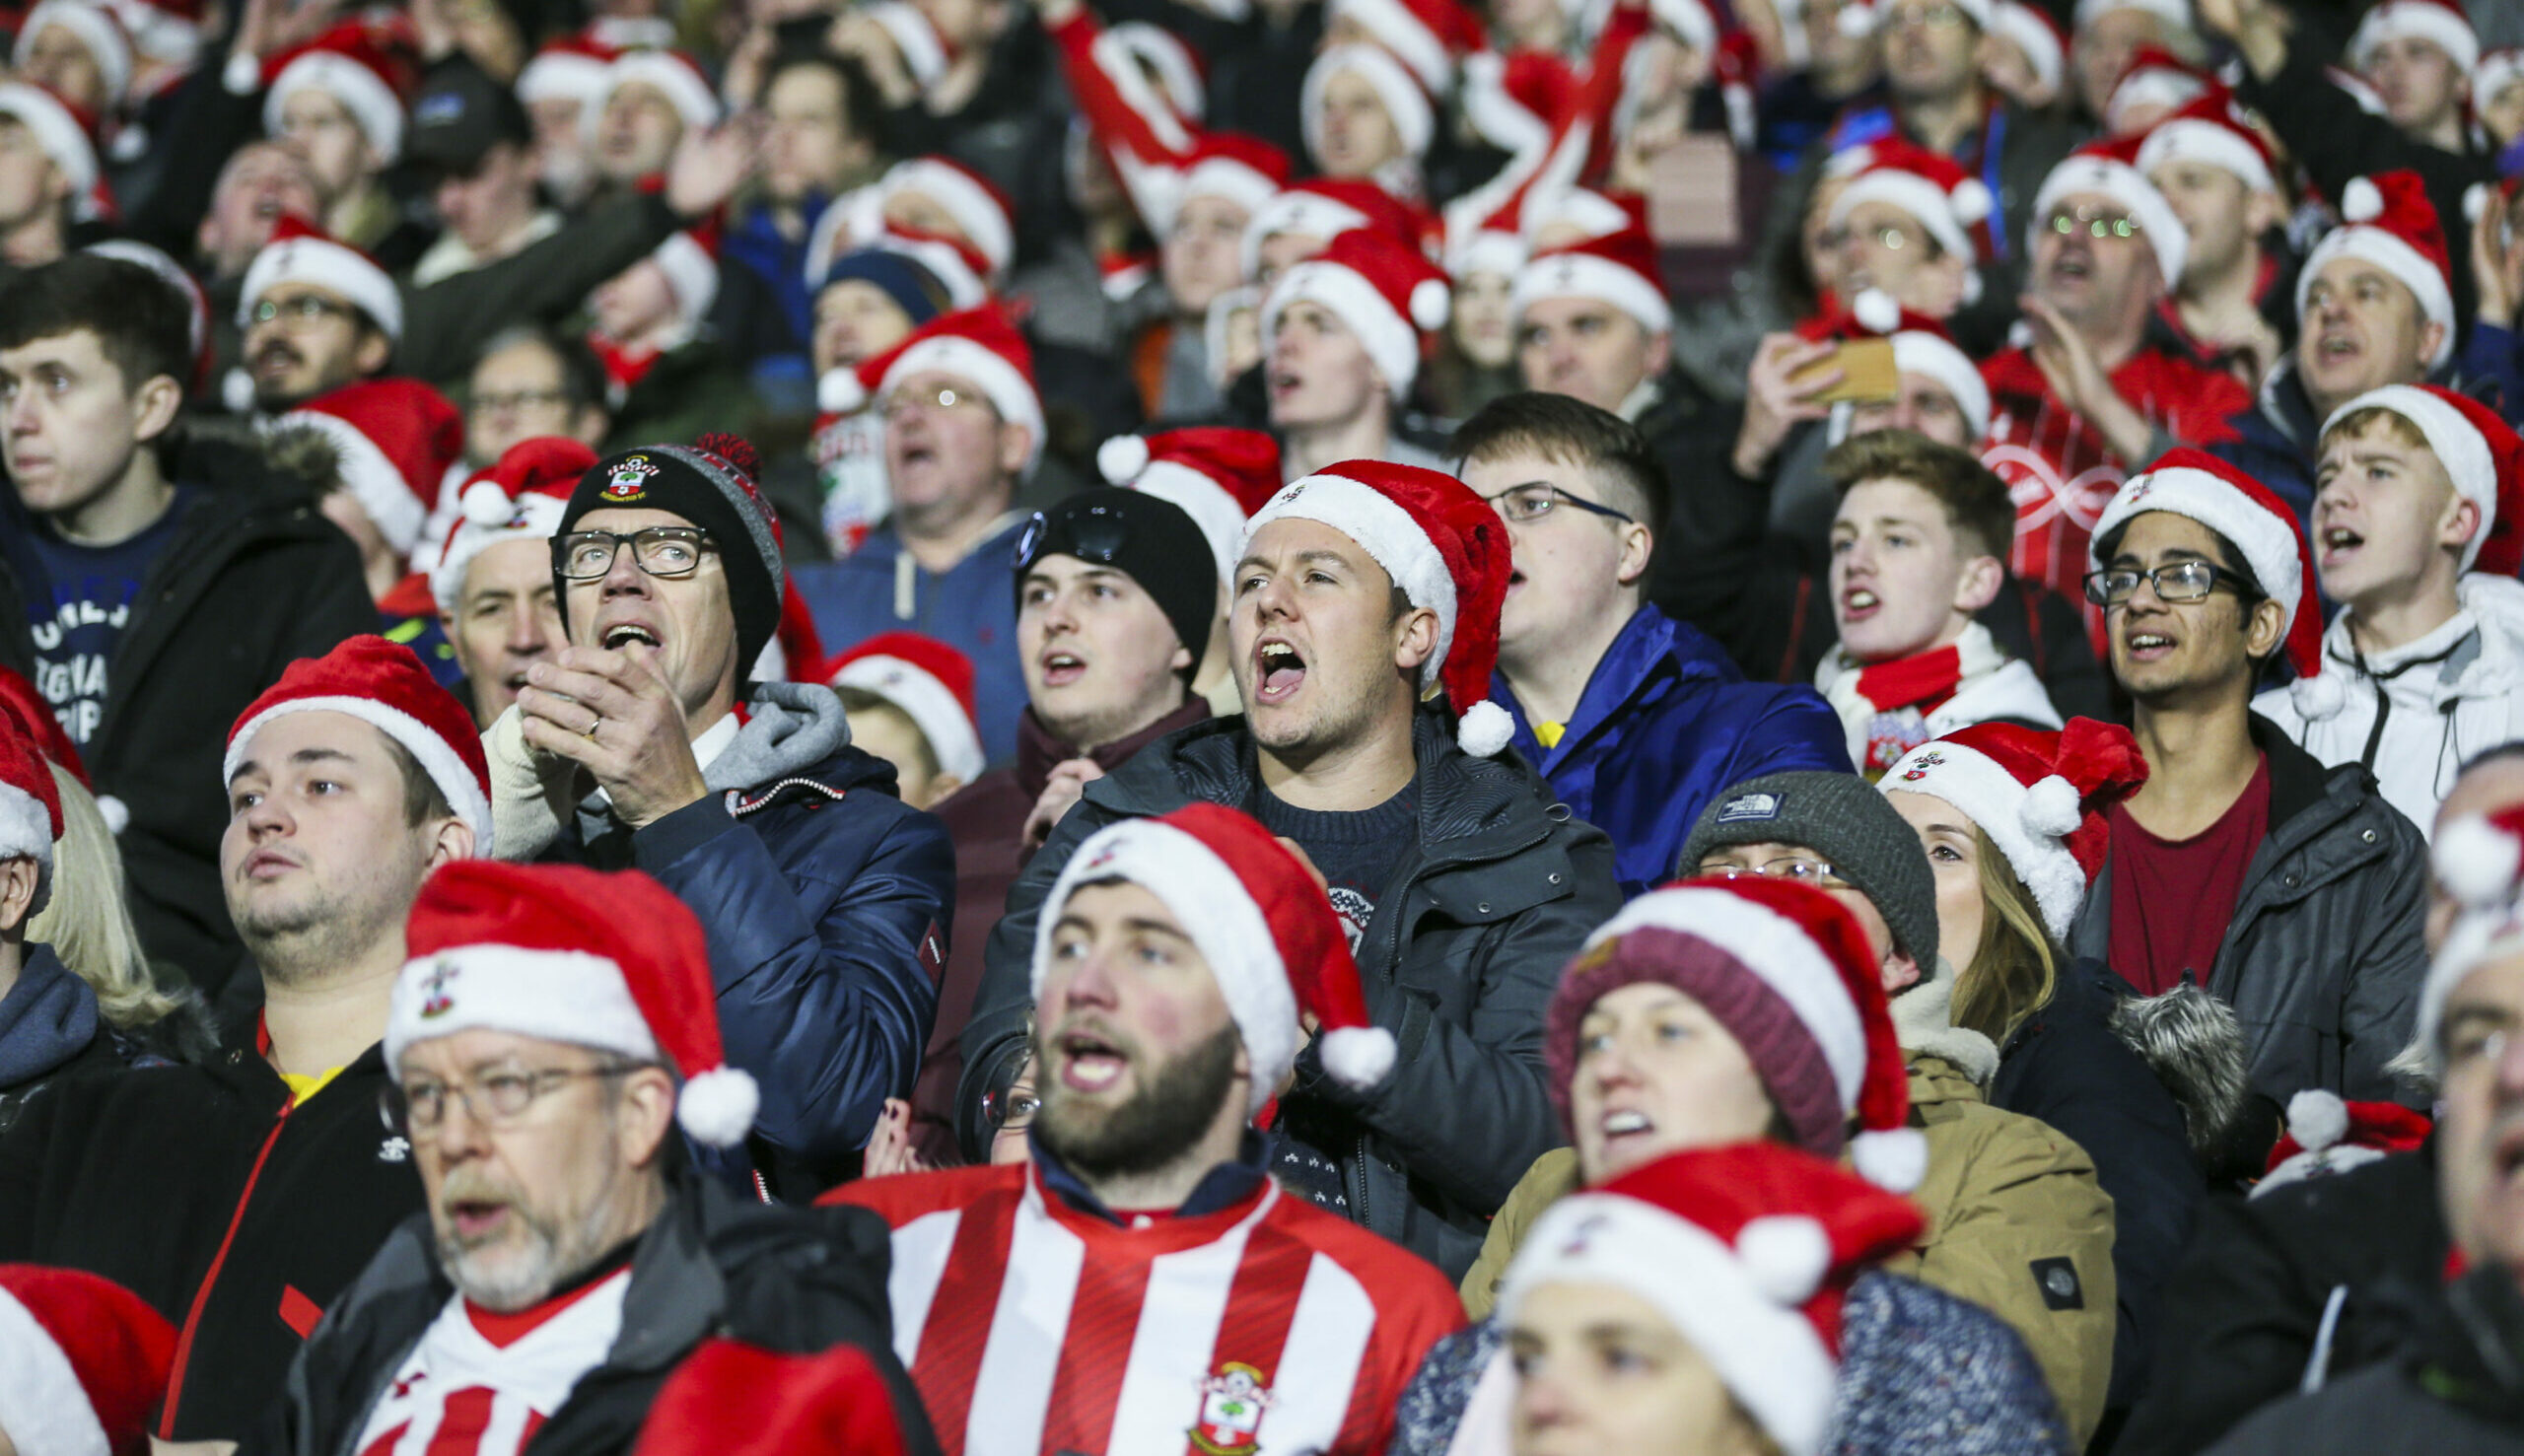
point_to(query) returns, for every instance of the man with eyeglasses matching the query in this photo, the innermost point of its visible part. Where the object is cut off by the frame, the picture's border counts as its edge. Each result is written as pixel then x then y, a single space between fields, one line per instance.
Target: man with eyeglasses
pixel 1633 718
pixel 824 897
pixel 2291 891
pixel 963 430
pixel 2022 1227
pixel 550 1045
pixel 527 382
pixel 243 1196
pixel 2095 392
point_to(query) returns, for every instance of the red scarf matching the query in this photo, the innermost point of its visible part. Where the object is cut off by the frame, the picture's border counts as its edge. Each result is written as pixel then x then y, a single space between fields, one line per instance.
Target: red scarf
pixel 1923 682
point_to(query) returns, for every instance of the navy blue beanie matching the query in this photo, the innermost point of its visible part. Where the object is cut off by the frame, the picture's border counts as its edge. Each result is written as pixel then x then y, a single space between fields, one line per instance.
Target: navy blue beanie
pixel 913 288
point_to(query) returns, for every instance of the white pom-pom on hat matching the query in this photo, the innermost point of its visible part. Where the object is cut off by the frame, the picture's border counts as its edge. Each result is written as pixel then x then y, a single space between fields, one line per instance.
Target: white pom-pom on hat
pixel 2317 1119
pixel 1121 458
pixel 1970 200
pixel 1876 310
pixel 1897 1158
pixel 1785 1254
pixel 2476 861
pixel 2361 201
pixel 487 506
pixel 2475 200
pixel 1484 729
pixel 2051 807
pixel 717 1107
pixel 1429 305
pixel 2318 697
pixel 118 814
pixel 840 393
pixel 1358 1056
pixel 1855 22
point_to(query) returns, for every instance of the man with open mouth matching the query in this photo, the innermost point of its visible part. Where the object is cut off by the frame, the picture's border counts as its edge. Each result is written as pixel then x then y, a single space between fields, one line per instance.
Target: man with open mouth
pixel 1360 591
pixel 825 897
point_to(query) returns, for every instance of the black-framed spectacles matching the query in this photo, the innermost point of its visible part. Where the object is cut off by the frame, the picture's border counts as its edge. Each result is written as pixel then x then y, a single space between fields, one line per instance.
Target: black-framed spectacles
pixel 1523 505
pixel 2174 581
pixel 296 312
pixel 659 550
pixel 495 1099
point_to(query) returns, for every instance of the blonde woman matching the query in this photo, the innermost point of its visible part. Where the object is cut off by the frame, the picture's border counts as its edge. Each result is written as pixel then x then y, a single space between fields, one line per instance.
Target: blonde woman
pixel 87 925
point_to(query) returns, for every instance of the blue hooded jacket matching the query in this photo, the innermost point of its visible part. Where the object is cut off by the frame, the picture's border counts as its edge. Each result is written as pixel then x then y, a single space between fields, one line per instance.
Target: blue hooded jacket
pixel 1666 722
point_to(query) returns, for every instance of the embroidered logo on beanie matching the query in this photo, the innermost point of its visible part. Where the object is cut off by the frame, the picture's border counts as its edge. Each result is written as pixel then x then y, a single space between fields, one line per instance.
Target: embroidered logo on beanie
pixel 1749 808
pixel 630 480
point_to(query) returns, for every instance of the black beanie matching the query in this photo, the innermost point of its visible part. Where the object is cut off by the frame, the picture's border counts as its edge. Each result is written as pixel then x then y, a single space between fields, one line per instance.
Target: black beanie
pixel 709 483
pixel 1149 540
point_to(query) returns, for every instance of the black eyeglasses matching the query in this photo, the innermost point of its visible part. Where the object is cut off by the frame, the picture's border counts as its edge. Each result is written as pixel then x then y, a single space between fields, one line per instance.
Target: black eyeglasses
pixel 2174 581
pixel 1523 505
pixel 495 1099
pixel 297 312
pixel 659 550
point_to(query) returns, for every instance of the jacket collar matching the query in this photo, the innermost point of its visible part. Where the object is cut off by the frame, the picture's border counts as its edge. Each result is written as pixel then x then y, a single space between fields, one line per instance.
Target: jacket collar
pixel 1651 647
pixel 2298 782
pixel 1039 750
pixel 1228 1186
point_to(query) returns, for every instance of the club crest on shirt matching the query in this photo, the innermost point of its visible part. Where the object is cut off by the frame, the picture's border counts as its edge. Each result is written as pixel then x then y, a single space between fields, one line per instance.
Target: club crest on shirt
pixel 630 479
pixel 435 1001
pixel 1232 1400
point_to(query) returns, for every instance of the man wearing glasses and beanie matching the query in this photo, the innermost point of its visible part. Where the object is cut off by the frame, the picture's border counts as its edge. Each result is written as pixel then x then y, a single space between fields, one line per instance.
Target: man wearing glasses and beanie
pixel 1634 719
pixel 2293 892
pixel 824 899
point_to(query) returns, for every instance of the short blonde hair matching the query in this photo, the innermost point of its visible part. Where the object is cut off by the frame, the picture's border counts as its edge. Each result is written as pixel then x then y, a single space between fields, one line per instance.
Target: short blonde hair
pixel 89 923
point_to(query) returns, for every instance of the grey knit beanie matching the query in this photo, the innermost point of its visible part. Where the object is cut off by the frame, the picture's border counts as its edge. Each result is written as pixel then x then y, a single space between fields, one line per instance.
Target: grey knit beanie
pixel 1842 818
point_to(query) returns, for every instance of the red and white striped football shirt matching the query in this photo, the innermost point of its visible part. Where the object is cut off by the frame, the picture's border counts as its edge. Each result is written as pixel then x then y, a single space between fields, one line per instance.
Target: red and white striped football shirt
pixel 1269 1328
pixel 481 1384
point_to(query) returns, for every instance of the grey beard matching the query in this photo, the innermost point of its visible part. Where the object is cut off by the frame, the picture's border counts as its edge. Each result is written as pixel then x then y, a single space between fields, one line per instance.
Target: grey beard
pixel 556 1253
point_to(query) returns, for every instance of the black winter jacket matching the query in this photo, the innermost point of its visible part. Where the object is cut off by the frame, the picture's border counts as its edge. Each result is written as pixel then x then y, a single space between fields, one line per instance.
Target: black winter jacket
pixel 1458 961
pixel 2247 1306
pixel 793 1280
pixel 201 1189
pixel 2322 960
pixel 252 580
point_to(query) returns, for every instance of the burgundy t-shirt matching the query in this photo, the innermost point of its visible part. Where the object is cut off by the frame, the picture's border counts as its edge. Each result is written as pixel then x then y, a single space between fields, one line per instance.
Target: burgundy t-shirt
pixel 2172 898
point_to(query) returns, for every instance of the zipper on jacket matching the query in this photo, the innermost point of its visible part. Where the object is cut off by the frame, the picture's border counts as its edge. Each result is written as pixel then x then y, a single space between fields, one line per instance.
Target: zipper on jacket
pixel 210 1280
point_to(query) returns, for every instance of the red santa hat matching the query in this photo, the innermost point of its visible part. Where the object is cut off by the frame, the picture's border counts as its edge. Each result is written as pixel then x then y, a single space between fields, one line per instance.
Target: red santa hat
pixel 1952 204
pixel 167 31
pixel 959 272
pixel 2387 220
pixel 613 962
pixel 1219 475
pixel 2038 36
pixel 1920 346
pixel 1244 169
pixel 96 30
pixel 34 720
pixel 1748 1251
pixel 1178 69
pixel 930 682
pixel 520 497
pixel 84 1363
pixel 1449 552
pixel 1619 268
pixel 2496 71
pixel 1327 208
pixel 356 66
pixel 2327 1136
pixel 2200 486
pixel 1511 101
pixel 1388 295
pixel 977 345
pixel 730 1399
pixel 2209 129
pixel 2477 860
pixel 2481 456
pixel 2040 795
pixel 573 68
pixel 381 684
pixel 2174 15
pixel 29 809
pixel 2105 168
pixel 1260 918
pixel 1826 1049
pixel 64 137
pixel 1428 36
pixel 2443 24
pixel 925 53
pixel 1406 102
pixel 394 440
pixel 2155 77
pixel 676 76
pixel 979 209
pixel 301 252
pixel 690 260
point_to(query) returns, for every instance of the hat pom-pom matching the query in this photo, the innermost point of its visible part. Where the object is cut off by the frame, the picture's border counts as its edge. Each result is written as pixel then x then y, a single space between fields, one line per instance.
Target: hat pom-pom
pixel 2318 697
pixel 2051 807
pixel 2476 199
pixel 1430 304
pixel 2361 201
pixel 717 1107
pixel 1970 200
pixel 1121 458
pixel 1876 310
pixel 1855 22
pixel 840 393
pixel 2476 861
pixel 1358 1056
pixel 1484 729
pixel 115 812
pixel 486 504
pixel 2317 1119
pixel 1896 1159
pixel 1785 1254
